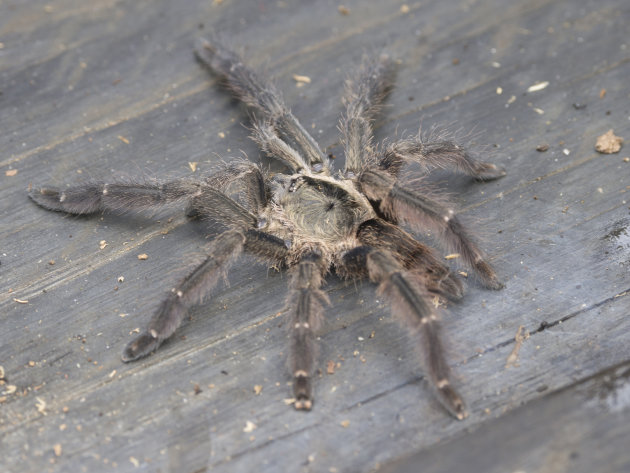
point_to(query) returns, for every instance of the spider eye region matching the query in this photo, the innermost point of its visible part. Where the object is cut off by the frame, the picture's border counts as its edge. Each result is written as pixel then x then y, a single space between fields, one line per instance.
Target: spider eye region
pixel 295 183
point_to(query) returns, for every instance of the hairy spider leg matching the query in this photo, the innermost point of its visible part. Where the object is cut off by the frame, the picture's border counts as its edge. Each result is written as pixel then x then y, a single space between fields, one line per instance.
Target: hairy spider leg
pixel 221 252
pixel 261 96
pixel 95 196
pixel 306 302
pixel 409 302
pixel 422 212
pixel 437 154
pixel 365 91
pixel 413 255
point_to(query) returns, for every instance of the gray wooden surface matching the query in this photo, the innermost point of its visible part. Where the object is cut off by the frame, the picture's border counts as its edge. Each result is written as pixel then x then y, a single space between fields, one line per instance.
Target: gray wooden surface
pixel 110 88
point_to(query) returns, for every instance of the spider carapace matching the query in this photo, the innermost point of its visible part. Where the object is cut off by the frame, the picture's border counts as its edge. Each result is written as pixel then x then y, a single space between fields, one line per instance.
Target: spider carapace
pixel 311 220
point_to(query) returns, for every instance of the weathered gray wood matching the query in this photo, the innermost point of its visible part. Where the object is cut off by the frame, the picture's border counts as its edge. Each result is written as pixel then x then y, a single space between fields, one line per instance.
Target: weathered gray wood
pixel 112 88
pixel 589 433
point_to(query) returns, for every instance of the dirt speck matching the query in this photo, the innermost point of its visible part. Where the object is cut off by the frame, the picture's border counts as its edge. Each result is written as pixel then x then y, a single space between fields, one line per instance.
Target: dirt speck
pixel 343 10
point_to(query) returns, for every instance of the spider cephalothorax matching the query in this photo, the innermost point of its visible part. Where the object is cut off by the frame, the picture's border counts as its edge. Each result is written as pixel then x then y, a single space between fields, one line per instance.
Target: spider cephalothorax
pixel 311 221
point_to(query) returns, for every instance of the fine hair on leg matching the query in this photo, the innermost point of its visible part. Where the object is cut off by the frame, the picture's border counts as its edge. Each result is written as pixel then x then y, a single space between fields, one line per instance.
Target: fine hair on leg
pixel 262 97
pixel 306 307
pixel 121 196
pixel 442 154
pixel 410 304
pixel 422 212
pixel 192 290
pixel 364 93
pixel 413 255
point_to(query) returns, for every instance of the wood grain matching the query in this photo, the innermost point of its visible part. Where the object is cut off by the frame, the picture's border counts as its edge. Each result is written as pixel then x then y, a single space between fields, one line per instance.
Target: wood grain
pixel 111 88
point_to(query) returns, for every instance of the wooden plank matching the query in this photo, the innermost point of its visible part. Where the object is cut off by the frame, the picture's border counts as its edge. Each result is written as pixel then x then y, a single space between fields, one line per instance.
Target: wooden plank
pixel 588 433
pixel 113 89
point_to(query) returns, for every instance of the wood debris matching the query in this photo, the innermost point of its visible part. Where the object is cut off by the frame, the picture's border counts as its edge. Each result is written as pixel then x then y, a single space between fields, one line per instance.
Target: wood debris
pixel 257 389
pixel 608 143
pixel 123 139
pixel 343 10
pixel 330 367
pixel 11 172
pixel 40 405
pixel 303 79
pixel 143 256
pixel 538 86
pixel 438 302
pixel 519 338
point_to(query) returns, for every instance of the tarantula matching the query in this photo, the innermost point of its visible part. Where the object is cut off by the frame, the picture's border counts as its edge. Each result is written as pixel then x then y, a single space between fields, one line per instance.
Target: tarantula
pixel 311 220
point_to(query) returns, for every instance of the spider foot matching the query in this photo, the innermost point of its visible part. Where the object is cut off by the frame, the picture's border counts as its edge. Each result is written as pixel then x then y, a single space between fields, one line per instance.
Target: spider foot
pixel 449 286
pixel 488 276
pixel 302 391
pixel 49 198
pixel 451 400
pixel 303 404
pixel 78 200
pixel 139 347
pixel 490 172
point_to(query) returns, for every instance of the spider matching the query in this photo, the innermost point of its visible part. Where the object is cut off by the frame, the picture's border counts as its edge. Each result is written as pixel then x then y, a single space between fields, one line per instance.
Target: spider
pixel 311 220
